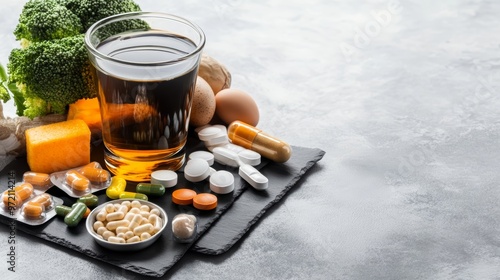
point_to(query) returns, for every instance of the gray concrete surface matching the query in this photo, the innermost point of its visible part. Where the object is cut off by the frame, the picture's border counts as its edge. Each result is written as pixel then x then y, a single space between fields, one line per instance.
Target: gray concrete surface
pixel 404 98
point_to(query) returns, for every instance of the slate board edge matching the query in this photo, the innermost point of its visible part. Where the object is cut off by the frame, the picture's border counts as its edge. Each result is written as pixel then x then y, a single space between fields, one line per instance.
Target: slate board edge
pixel 257 217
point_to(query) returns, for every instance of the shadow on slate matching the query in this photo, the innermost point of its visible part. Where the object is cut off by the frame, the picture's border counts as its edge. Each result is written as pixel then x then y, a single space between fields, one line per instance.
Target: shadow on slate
pixel 252 204
pixel 157 259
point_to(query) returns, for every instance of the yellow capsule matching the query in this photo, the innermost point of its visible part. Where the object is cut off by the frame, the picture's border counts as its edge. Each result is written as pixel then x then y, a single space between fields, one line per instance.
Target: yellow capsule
pixel 125 195
pixel 116 187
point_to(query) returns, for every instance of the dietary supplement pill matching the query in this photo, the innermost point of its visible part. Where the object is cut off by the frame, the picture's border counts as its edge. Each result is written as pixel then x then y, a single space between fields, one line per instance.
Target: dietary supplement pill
pixel 150 189
pixel 75 215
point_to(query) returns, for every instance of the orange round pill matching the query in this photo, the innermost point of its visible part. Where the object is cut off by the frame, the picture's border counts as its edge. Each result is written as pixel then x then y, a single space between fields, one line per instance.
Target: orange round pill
pixel 205 201
pixel 183 196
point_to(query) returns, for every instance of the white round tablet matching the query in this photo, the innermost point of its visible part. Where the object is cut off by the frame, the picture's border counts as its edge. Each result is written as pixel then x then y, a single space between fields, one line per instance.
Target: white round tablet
pixel 196 170
pixel 208 133
pixel 209 157
pixel 166 178
pixel 249 157
pixel 222 182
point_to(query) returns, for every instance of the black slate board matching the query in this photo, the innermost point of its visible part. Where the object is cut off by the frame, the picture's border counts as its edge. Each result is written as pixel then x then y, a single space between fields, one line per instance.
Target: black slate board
pixel 251 205
pixel 159 258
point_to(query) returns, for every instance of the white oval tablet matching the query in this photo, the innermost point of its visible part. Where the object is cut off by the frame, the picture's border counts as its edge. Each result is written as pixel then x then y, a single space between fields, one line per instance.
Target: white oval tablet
pixel 196 170
pixel 166 178
pixel 209 157
pixel 211 148
pixel 253 177
pixel 208 133
pixel 249 157
pixel 235 148
pixel 222 182
pixel 226 157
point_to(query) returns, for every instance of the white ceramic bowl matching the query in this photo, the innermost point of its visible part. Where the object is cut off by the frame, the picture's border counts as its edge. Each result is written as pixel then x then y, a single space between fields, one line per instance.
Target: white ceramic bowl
pixel 126 246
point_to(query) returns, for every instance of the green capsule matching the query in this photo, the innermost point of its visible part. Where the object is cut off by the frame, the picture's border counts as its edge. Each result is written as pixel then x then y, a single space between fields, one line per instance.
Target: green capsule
pixel 62 210
pixel 150 189
pixel 133 195
pixel 76 214
pixel 90 200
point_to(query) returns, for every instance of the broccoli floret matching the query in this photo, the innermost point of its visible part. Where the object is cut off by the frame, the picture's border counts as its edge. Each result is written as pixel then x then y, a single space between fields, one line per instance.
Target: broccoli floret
pixel 4 90
pixel 4 94
pixel 52 74
pixel 51 69
pixel 43 20
pixel 90 11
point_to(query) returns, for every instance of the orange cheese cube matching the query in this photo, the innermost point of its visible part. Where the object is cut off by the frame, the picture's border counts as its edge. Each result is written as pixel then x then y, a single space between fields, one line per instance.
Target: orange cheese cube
pixel 58 146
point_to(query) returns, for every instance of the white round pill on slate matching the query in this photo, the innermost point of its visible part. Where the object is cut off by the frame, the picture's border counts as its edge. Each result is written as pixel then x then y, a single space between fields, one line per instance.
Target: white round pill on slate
pixel 249 157
pixel 222 182
pixel 196 170
pixel 208 133
pixel 209 157
pixel 167 178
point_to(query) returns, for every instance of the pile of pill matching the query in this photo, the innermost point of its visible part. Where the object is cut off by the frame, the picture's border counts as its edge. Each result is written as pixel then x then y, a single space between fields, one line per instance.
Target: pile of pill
pixel 216 140
pixel 127 222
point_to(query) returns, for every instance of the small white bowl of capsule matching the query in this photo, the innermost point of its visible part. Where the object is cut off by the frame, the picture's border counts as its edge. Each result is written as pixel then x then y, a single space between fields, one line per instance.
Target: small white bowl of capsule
pixel 126 224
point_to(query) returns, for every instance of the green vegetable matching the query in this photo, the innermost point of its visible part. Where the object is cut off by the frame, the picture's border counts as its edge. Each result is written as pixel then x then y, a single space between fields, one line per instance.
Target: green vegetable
pixel 43 20
pixel 51 69
pixel 90 11
pixel 53 74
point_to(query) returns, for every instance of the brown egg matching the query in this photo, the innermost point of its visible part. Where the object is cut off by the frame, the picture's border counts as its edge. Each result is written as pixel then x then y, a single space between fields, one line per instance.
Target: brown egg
pixel 234 104
pixel 203 107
